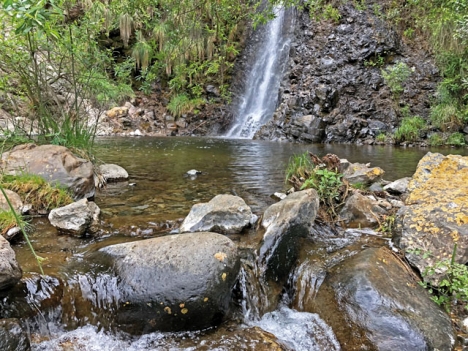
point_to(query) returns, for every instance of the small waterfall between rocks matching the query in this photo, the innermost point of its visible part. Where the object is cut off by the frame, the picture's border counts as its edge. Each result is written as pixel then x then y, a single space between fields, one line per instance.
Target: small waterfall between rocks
pixel 270 51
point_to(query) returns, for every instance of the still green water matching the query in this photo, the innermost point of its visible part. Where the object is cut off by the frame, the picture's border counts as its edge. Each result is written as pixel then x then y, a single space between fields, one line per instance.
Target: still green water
pixel 162 194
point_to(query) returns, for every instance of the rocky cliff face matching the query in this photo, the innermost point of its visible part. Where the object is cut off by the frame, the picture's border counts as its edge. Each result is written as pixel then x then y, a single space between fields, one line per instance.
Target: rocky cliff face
pixel 334 90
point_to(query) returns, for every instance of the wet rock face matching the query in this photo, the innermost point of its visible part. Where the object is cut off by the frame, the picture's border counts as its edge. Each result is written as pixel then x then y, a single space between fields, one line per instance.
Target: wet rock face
pixel 372 302
pixel 54 163
pixel 76 218
pixel 174 283
pixel 12 336
pixel 334 77
pixel 226 214
pixel 10 271
pixel 285 223
pixel 435 217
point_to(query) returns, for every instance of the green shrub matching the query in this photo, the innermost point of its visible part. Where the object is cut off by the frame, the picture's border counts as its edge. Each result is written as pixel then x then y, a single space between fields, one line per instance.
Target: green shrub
pixel 456 139
pixel 435 140
pixel 395 76
pixel 381 137
pixel 454 285
pixel 447 117
pixel 181 104
pixel 327 183
pixel 306 171
pixel 299 166
pixel 410 129
pixel 331 13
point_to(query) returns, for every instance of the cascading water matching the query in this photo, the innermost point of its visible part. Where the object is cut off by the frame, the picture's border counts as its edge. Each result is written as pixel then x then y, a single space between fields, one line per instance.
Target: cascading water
pixel 258 101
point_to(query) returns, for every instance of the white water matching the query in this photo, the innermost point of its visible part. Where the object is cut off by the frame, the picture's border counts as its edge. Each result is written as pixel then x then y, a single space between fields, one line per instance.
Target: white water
pixel 258 102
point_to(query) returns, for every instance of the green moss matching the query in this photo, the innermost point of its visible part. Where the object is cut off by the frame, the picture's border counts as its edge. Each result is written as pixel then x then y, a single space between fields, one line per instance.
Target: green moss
pixel 35 190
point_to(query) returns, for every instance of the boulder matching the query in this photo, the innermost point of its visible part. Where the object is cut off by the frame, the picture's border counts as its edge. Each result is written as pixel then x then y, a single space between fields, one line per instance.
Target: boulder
pixel 113 173
pixel 75 219
pixel 357 173
pixel 55 163
pixel 15 201
pixel 12 336
pixel 398 187
pixel 360 211
pixel 435 215
pixel 10 271
pixel 285 222
pixel 373 301
pixel 173 283
pixel 226 214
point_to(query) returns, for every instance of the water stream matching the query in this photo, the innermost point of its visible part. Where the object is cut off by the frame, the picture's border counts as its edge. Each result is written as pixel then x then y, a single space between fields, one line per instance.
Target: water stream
pixel 68 309
pixel 270 50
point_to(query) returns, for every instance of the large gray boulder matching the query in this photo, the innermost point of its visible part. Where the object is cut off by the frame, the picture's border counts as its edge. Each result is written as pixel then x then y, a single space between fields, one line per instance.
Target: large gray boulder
pixel 285 223
pixel 10 271
pixel 226 214
pixel 56 164
pixel 12 336
pixel 435 216
pixel 373 301
pixel 76 218
pixel 173 283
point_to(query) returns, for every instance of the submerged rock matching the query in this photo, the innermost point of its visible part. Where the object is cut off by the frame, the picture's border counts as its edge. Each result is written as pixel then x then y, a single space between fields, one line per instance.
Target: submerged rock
pixel 226 214
pixel 285 223
pixel 435 217
pixel 56 164
pixel 373 301
pixel 76 218
pixel 10 271
pixel 12 336
pixel 176 282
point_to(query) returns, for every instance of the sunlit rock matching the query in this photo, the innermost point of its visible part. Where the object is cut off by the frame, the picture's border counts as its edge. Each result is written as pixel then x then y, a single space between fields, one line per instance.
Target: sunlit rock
pixel 373 301
pixel 399 186
pixel 285 223
pixel 176 282
pixel 226 214
pixel 435 217
pixel 12 336
pixel 357 173
pixel 10 271
pixel 56 164
pixel 113 173
pixel 117 112
pixel 76 218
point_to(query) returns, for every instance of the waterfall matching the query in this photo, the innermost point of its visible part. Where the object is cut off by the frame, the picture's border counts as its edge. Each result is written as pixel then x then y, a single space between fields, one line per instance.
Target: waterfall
pixel 258 101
